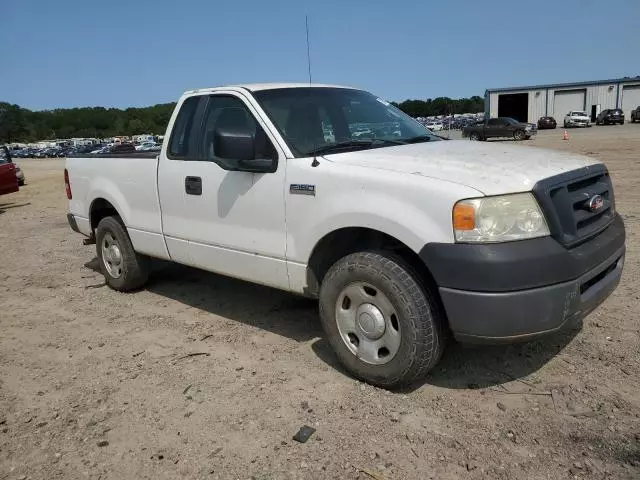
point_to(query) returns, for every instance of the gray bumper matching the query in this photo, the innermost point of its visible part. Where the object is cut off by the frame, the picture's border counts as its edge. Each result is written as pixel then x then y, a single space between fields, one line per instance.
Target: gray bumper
pixel 495 317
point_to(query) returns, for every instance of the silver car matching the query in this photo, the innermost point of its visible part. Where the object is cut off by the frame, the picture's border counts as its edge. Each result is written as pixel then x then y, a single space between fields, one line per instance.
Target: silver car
pixel 20 175
pixel 577 119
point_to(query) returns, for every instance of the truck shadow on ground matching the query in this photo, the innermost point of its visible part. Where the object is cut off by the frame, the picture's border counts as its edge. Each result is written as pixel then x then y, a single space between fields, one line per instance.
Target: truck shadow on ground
pixel 475 367
pixel 461 367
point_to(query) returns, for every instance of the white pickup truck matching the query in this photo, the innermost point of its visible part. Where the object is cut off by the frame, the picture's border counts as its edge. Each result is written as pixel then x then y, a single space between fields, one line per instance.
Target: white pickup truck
pixel 405 238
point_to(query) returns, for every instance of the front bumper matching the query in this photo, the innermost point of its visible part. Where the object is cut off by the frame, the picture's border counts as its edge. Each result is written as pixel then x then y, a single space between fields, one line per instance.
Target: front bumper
pixel 578 123
pixel 521 290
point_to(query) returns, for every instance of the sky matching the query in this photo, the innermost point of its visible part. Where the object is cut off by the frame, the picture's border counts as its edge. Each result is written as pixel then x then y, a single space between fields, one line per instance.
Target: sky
pixel 117 53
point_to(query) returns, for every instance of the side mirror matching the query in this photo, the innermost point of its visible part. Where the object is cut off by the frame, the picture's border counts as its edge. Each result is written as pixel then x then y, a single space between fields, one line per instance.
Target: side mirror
pixel 234 144
pixel 236 149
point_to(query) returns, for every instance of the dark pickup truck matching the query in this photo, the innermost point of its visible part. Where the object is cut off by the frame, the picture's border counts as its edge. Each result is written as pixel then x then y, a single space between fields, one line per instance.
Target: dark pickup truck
pixel 500 127
pixel 635 115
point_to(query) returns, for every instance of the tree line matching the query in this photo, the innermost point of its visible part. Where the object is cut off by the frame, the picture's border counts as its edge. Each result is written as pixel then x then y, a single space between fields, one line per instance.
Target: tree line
pixel 19 124
pixel 22 125
pixel 441 106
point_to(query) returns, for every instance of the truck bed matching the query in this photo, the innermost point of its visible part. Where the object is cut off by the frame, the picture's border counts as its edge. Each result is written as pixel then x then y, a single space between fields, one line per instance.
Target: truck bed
pixel 129 183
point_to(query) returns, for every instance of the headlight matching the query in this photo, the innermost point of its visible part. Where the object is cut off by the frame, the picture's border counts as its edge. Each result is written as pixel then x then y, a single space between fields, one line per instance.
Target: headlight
pixel 503 218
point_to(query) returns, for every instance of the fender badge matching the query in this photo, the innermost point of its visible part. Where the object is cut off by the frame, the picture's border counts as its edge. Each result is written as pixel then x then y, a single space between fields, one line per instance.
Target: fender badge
pixel 302 189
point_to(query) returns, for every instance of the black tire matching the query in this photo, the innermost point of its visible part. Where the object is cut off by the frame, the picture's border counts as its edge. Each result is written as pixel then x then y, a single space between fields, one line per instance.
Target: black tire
pixel 21 183
pixel 519 135
pixel 474 136
pixel 134 267
pixel 418 315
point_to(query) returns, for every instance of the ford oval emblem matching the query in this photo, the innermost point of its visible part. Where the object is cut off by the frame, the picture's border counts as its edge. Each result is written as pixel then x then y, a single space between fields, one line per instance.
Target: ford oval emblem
pixel 596 203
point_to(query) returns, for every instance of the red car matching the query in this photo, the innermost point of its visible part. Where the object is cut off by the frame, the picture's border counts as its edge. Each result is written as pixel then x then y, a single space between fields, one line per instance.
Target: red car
pixel 8 177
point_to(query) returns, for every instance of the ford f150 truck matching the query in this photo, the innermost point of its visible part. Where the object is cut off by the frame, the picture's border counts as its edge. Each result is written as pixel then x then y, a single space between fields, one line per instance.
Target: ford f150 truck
pixel 404 238
pixel 500 127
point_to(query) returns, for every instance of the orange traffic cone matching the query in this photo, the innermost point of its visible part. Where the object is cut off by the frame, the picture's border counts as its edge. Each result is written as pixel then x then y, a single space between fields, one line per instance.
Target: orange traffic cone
pixel 565 136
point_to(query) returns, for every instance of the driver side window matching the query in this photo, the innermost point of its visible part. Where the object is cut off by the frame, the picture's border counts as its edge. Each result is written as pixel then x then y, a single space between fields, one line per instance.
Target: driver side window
pixel 230 113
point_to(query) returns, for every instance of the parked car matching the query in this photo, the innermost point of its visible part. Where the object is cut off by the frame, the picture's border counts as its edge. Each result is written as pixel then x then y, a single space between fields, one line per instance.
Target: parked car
pixel 400 238
pixel 19 175
pixel 546 122
pixel 577 118
pixel 610 116
pixel 145 145
pixel 8 177
pixel 435 126
pixel 635 115
pixel 122 148
pixel 500 127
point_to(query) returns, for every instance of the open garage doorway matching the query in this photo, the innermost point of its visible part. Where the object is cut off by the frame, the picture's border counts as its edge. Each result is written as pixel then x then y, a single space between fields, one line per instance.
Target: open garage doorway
pixel 514 105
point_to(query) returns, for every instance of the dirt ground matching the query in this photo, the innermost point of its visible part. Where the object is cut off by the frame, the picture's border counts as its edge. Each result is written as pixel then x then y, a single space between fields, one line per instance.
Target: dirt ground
pixel 97 384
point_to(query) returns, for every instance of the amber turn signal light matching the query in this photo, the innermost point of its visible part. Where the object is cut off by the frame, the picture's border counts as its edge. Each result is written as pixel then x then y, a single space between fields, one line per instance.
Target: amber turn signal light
pixel 464 217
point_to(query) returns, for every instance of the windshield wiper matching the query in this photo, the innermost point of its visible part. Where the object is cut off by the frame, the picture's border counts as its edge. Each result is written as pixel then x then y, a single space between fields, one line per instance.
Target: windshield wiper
pixel 368 143
pixel 419 139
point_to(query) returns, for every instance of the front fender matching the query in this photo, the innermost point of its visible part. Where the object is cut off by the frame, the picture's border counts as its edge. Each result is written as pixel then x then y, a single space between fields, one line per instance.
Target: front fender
pixel 410 208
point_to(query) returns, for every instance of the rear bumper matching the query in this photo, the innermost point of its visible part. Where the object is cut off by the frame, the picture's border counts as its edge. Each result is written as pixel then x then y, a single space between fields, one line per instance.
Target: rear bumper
pixel 521 290
pixel 72 223
pixel 79 224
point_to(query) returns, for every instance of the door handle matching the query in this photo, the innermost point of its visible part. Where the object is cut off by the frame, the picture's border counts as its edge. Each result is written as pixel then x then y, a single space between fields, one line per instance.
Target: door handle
pixel 193 185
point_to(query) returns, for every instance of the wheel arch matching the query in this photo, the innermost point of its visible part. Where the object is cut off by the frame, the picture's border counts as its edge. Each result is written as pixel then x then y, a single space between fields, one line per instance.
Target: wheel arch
pixel 100 208
pixel 344 241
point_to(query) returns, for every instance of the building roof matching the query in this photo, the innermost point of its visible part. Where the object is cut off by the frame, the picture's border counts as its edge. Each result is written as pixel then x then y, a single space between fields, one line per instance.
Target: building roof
pixel 566 85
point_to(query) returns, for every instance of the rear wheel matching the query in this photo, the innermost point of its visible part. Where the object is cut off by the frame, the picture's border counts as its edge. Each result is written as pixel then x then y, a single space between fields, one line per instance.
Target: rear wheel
pixel 385 328
pixel 123 269
pixel 519 135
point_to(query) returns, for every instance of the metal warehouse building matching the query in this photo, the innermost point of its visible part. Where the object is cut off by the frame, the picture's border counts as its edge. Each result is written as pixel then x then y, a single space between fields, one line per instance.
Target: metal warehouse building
pixel 528 104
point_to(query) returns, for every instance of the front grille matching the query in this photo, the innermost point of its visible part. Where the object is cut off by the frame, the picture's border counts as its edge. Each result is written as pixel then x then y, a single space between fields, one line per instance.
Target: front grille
pixel 565 201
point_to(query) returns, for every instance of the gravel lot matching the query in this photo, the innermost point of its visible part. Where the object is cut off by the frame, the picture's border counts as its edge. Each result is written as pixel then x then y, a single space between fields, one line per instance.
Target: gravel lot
pixel 97 384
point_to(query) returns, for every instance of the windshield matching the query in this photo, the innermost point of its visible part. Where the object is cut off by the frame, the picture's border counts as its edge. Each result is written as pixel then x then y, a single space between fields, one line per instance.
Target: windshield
pixel 579 114
pixel 509 120
pixel 317 120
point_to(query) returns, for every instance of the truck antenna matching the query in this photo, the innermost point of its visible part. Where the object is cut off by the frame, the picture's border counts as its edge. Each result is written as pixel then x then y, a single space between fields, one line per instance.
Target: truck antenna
pixel 315 162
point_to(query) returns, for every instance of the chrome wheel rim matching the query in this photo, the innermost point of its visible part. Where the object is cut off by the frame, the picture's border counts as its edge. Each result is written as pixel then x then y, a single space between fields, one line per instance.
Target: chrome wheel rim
pixel 111 255
pixel 368 323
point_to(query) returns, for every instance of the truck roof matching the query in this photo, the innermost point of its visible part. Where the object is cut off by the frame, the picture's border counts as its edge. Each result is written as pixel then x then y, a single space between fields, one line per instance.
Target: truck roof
pixel 254 87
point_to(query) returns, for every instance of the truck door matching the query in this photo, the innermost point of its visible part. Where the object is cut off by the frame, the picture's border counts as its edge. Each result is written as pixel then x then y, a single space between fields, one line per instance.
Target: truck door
pixel 492 127
pixel 231 222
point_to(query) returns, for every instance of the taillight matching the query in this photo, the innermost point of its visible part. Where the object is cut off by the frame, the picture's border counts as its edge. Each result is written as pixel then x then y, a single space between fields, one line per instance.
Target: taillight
pixel 67 185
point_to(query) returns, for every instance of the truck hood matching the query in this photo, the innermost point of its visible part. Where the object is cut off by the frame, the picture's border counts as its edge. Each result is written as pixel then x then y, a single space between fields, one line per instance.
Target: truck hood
pixel 491 168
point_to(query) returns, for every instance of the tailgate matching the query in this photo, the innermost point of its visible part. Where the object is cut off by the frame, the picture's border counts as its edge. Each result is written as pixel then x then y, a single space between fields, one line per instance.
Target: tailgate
pixel 8 178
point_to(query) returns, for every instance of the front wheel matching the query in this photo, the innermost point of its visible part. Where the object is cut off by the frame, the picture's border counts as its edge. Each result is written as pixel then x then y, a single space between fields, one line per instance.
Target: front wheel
pixel 384 326
pixel 519 135
pixel 474 136
pixel 123 269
